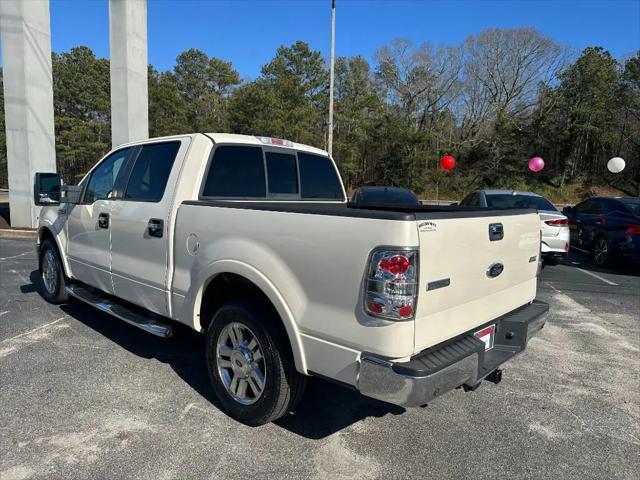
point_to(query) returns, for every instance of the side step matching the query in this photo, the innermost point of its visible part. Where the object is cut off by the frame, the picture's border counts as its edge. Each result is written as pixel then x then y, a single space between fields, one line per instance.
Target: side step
pixel 118 310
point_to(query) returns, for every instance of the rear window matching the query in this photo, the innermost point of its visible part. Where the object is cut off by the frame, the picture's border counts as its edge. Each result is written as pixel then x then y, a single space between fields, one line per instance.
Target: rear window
pixel 318 178
pixel 507 200
pixel 282 173
pixel 244 172
pixel 236 172
pixel 632 205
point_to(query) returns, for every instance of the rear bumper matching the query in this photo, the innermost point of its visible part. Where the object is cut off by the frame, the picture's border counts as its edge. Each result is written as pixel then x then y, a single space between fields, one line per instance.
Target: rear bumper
pixel 457 362
pixel 555 244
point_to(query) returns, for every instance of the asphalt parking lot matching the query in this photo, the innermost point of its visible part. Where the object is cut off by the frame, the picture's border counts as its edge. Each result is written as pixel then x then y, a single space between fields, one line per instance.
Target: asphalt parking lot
pixel 83 396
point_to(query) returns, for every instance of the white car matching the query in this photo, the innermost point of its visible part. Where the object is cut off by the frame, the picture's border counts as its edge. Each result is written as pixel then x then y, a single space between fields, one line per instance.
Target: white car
pixel 251 241
pixel 554 225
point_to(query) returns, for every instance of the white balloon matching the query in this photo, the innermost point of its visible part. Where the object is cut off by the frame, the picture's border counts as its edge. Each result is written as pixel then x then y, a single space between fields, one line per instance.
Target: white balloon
pixel 616 165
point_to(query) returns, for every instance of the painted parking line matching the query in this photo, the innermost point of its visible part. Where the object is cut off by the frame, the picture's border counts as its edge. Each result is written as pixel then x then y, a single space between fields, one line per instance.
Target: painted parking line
pixel 595 275
pixel 16 256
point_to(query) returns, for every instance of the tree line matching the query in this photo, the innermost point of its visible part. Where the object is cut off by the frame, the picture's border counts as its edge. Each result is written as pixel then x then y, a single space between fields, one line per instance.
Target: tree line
pixel 493 102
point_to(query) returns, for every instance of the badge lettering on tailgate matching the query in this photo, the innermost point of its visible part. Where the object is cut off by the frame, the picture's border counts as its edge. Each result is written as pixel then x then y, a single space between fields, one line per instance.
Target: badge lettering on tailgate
pixel 427 226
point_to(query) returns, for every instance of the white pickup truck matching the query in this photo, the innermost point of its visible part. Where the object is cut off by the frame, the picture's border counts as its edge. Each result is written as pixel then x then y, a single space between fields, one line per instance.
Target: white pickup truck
pixel 250 240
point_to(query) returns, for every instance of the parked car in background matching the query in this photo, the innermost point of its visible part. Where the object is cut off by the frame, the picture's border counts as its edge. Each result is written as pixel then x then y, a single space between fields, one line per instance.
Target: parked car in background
pixel 382 195
pixel 607 228
pixel 553 224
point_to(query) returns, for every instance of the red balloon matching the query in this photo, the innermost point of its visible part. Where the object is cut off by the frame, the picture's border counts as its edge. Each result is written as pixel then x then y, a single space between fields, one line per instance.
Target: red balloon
pixel 447 162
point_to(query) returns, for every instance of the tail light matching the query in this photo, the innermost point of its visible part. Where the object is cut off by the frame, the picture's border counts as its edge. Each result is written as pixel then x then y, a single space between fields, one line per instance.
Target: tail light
pixel 632 230
pixel 392 284
pixel 558 222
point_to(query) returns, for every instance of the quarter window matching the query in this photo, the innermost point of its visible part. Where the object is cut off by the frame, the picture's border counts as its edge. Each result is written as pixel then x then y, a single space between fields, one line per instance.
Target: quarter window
pixel 103 178
pixel 148 179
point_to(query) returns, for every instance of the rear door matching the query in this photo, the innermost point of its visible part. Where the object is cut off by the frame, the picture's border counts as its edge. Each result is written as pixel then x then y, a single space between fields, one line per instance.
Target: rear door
pixel 141 230
pixel 470 273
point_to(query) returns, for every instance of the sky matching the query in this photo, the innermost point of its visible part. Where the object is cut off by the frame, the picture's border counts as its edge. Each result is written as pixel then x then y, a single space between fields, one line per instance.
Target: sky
pixel 248 32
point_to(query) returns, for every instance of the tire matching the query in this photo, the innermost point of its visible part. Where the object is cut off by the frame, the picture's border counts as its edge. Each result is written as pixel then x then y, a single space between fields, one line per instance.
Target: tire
pixel 52 279
pixel 250 364
pixel 601 251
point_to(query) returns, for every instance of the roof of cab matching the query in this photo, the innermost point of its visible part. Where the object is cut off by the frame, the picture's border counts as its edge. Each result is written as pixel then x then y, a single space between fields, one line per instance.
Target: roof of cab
pixel 231 138
pixel 255 140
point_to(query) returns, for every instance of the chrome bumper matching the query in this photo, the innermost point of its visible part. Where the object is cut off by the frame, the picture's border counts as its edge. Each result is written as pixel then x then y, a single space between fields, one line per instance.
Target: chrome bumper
pixel 462 361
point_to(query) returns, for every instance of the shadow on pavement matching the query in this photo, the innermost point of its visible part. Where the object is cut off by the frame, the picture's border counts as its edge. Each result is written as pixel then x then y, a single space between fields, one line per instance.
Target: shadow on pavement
pixel 326 408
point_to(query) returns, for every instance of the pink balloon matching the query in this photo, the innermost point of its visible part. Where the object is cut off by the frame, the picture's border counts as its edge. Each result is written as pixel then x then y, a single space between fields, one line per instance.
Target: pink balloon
pixel 536 164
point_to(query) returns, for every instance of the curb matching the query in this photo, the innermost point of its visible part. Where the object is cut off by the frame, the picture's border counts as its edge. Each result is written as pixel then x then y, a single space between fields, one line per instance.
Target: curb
pixel 13 233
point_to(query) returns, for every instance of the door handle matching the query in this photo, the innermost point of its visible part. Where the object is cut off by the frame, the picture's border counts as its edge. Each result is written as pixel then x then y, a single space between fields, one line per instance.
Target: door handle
pixel 103 220
pixel 155 227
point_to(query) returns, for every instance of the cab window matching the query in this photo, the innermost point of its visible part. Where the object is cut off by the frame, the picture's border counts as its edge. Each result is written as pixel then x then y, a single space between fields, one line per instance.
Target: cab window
pixel 282 173
pixel 149 176
pixel 103 178
pixel 236 172
pixel 318 178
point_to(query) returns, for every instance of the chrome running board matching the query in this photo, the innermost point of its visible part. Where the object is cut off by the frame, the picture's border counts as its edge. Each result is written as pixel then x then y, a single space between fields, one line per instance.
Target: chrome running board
pixel 121 311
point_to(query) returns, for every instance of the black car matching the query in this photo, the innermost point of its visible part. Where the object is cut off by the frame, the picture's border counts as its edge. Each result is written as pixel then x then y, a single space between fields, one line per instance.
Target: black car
pixel 608 228
pixel 385 195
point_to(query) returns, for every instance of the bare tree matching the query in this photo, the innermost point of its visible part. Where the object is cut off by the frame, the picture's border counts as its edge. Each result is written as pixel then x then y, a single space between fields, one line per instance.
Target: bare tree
pixel 503 69
pixel 419 80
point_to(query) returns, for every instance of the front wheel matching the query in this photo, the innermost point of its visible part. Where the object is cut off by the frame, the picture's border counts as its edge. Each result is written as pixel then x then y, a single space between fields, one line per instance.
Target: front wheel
pixel 250 365
pixel 51 274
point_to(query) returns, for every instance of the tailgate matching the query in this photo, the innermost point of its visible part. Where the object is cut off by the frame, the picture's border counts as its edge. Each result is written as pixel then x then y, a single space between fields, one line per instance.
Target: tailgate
pixel 457 292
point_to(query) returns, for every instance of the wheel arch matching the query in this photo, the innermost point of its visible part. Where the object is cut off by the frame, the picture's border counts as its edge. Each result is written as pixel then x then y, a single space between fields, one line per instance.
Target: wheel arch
pixel 46 233
pixel 234 280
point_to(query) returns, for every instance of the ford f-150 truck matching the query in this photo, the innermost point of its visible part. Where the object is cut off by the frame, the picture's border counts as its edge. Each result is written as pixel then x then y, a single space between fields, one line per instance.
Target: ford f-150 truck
pixel 251 241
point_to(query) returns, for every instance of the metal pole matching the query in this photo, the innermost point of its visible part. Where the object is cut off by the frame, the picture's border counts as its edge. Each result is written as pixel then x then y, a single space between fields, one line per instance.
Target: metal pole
pixel 331 74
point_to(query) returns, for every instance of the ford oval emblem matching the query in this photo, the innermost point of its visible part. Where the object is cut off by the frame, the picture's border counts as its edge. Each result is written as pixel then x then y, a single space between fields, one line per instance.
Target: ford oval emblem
pixel 495 269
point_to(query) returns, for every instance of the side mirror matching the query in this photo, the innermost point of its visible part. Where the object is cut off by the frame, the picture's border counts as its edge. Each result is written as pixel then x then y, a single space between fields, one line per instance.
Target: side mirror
pixel 46 190
pixel 567 211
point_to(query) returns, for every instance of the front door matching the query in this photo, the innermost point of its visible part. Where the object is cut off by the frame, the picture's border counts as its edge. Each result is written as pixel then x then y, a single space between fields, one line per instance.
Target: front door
pixel 140 226
pixel 89 223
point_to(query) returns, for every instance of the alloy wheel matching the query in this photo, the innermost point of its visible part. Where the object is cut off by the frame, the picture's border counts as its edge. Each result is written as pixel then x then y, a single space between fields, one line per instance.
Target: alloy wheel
pixel 601 251
pixel 240 363
pixel 50 272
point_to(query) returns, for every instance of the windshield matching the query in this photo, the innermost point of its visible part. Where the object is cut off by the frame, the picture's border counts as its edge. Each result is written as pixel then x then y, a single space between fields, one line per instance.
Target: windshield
pixel 633 205
pixel 508 200
pixel 389 196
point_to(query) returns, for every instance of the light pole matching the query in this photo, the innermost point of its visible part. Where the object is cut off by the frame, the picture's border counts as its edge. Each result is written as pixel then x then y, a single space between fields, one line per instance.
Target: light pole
pixel 331 74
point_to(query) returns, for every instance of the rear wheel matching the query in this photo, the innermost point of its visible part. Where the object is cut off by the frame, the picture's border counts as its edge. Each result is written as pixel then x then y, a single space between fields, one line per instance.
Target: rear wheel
pixel 250 365
pixel 52 277
pixel 601 251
